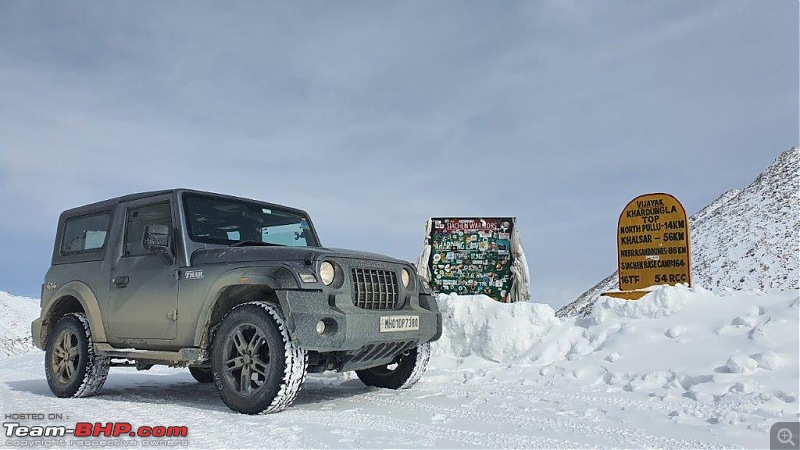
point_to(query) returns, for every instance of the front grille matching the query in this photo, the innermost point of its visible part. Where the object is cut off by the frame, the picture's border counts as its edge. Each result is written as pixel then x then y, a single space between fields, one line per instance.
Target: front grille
pixel 374 289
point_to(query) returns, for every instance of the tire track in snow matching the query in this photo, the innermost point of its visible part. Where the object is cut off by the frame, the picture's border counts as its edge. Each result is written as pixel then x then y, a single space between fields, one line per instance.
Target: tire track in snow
pixel 361 422
pixel 665 405
pixel 623 437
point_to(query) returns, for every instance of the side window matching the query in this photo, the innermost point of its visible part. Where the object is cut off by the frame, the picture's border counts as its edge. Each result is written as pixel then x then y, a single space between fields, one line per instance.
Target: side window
pixel 85 233
pixel 138 219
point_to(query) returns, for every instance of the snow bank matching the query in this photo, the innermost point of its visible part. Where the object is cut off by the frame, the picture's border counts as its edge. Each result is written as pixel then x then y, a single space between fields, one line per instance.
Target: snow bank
pixel 736 351
pixel 17 313
pixel 500 332
pixel 660 302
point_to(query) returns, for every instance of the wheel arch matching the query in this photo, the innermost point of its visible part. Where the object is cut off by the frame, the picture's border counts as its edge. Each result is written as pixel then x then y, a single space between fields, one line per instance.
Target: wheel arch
pixel 72 297
pixel 236 287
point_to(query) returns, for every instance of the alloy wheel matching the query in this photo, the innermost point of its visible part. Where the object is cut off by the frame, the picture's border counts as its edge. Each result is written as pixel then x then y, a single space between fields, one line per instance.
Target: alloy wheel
pixel 65 356
pixel 247 361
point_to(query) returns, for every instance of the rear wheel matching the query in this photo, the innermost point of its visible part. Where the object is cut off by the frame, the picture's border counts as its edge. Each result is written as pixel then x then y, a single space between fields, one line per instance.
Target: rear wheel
pixel 256 367
pixel 401 374
pixel 202 374
pixel 72 366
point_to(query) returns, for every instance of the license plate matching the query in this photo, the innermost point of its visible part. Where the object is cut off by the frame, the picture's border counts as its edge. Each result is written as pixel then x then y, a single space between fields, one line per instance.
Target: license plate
pixel 399 323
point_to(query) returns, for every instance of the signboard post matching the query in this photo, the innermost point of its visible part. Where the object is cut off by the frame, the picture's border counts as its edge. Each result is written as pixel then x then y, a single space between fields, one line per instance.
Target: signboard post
pixel 475 256
pixel 652 245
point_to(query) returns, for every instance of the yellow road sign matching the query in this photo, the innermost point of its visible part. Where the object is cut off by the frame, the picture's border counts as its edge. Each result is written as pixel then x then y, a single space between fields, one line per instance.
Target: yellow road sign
pixel 653 242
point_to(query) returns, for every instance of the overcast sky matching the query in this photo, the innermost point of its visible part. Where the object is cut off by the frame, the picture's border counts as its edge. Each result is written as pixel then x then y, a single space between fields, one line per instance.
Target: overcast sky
pixel 376 115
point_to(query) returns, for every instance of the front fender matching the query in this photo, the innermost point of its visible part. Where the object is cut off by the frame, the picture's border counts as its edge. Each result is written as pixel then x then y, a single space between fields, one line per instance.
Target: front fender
pixel 271 278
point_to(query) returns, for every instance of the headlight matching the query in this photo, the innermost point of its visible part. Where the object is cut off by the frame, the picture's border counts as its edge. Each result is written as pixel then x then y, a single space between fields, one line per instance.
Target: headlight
pixel 406 277
pixel 327 273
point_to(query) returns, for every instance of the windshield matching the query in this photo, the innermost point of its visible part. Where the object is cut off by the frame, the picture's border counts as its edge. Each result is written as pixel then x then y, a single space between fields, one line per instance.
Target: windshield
pixel 222 221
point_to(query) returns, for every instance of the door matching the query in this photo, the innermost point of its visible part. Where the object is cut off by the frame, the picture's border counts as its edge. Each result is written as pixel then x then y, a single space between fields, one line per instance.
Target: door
pixel 144 286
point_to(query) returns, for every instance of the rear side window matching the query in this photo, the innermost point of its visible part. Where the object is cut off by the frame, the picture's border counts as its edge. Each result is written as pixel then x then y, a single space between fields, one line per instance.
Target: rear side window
pixel 85 234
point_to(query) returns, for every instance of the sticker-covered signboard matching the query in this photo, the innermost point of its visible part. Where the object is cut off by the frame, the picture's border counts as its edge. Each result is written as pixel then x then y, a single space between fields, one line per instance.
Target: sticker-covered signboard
pixel 471 256
pixel 653 243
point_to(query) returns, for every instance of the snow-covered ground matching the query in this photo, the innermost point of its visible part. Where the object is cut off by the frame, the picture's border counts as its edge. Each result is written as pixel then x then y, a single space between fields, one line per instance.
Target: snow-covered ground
pixel 683 367
pixel 17 313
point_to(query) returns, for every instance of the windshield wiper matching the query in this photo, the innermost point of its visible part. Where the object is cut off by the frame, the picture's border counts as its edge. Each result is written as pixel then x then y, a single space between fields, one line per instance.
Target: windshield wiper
pixel 255 244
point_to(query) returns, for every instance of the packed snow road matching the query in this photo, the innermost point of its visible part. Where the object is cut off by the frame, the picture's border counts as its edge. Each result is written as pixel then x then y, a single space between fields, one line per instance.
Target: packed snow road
pixel 682 368
pixel 450 408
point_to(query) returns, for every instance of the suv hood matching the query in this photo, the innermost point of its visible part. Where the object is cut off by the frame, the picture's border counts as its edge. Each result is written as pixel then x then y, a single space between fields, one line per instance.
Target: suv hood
pixel 221 255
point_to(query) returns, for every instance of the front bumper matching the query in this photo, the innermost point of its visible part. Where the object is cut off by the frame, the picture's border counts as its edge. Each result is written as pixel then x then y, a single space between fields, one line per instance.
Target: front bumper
pixel 350 328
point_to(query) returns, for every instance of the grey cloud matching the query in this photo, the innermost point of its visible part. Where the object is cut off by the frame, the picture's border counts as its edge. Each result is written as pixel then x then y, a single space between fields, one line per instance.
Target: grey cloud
pixel 377 115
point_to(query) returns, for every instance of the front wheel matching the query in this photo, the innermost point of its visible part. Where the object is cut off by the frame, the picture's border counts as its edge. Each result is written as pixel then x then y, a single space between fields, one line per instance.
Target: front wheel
pixel 402 374
pixel 71 363
pixel 256 366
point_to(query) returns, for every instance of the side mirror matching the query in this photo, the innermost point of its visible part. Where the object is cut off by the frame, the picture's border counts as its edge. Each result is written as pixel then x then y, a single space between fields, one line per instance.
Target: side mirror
pixel 156 239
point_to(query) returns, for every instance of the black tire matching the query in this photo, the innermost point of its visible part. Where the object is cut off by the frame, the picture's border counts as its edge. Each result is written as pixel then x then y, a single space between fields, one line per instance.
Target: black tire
pixel 400 375
pixel 71 363
pixel 257 368
pixel 202 374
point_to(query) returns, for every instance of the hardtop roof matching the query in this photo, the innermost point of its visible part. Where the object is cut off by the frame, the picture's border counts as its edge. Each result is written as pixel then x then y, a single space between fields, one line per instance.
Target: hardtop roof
pixel 111 202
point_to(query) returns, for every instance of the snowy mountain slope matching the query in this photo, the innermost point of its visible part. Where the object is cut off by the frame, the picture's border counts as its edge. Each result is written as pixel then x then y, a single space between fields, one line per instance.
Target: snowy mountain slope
pixel 17 313
pixel 748 239
pixel 505 376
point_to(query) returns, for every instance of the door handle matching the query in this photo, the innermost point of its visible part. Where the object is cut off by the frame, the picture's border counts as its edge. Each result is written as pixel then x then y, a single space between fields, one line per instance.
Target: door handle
pixel 121 281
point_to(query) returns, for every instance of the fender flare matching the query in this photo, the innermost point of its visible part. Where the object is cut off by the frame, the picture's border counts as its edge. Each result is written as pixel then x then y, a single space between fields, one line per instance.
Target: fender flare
pixel 273 278
pixel 88 300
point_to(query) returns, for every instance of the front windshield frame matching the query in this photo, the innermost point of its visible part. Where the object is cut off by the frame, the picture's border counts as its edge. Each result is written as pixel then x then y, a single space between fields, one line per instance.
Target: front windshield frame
pixel 251 206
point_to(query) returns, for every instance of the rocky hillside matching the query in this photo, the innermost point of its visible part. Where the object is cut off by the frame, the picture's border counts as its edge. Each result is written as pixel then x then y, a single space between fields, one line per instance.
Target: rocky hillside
pixel 745 239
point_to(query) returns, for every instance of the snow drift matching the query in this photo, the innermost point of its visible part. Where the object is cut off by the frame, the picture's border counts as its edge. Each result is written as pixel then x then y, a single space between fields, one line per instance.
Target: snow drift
pixel 15 327
pixel 500 332
pixel 736 352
